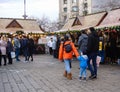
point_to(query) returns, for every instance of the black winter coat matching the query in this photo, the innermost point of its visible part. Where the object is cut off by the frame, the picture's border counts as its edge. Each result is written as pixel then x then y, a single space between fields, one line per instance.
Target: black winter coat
pixel 93 43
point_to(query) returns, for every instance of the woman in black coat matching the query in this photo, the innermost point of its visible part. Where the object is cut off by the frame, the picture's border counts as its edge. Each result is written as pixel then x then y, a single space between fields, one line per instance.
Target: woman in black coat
pixel 9 49
pixel 30 48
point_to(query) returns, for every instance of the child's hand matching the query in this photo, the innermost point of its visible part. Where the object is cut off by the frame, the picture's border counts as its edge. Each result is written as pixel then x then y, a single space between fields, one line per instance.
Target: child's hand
pixel 78 58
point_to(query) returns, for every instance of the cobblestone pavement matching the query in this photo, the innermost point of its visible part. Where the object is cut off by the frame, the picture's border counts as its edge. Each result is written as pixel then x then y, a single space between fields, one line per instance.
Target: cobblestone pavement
pixel 45 74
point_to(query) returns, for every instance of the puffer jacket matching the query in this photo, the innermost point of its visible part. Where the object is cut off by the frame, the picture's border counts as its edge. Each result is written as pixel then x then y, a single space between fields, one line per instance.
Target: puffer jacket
pixel 65 55
pixel 82 43
pixel 83 61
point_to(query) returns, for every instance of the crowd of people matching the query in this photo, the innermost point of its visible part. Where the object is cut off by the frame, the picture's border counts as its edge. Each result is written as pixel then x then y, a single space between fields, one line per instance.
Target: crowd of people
pixel 85 46
pixel 19 45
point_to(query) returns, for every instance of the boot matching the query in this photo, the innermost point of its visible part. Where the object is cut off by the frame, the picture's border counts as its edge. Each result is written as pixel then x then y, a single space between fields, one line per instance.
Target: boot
pixel 65 74
pixel 69 76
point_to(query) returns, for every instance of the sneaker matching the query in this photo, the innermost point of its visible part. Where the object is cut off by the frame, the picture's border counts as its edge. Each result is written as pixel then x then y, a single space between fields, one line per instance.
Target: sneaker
pixel 4 64
pixel 18 60
pixel 80 78
pixel 84 79
pixel 90 76
pixel 32 59
pixel 93 77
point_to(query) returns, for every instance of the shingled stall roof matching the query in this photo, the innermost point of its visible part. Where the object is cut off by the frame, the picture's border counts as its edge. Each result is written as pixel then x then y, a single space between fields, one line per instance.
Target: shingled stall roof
pixel 68 24
pixel 112 19
pixel 83 22
pixel 10 25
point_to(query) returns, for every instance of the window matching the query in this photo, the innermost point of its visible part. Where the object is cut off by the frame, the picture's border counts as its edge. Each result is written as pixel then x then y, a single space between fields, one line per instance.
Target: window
pixel 65 1
pixel 85 5
pixel 65 18
pixel 65 9
pixel 75 8
pixel 74 1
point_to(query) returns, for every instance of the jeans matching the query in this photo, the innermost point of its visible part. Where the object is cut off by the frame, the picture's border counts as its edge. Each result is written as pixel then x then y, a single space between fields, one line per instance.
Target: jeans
pixel 93 67
pixel 67 65
pixel 17 52
pixel 83 72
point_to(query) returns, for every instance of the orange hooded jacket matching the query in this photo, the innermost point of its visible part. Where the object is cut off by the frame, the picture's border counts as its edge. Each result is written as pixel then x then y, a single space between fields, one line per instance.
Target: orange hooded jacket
pixel 64 55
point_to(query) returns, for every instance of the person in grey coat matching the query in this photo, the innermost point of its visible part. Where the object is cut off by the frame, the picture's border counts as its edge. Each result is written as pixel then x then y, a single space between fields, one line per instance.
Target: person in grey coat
pixel 54 48
pixel 82 42
pixel 17 47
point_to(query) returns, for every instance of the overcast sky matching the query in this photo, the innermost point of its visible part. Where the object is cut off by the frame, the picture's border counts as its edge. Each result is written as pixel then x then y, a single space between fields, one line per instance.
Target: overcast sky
pixel 36 8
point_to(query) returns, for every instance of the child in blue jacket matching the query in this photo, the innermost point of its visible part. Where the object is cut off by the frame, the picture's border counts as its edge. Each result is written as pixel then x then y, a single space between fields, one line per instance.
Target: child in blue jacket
pixel 83 66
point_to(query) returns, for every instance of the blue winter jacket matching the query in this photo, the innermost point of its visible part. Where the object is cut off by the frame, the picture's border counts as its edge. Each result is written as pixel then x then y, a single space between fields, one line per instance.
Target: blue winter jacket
pixel 83 61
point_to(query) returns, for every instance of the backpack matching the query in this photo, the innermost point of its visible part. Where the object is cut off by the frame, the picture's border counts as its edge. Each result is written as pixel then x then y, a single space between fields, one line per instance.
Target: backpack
pixel 68 48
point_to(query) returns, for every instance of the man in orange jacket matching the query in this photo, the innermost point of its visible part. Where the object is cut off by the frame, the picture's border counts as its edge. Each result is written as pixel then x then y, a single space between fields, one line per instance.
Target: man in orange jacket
pixel 67 56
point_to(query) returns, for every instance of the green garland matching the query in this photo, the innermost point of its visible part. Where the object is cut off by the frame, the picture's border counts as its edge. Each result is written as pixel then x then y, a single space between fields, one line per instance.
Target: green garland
pixel 117 28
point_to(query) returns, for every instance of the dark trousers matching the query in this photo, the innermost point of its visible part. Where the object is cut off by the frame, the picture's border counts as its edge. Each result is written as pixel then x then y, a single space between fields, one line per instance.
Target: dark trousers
pixel 9 58
pixel 30 54
pixel 25 53
pixel 4 57
pixel 93 67
pixel 54 53
pixel 50 50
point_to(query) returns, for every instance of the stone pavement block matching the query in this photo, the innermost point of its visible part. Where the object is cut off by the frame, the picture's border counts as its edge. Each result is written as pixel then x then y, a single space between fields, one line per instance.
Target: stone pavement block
pixel 32 90
pixel 8 88
pixel 12 82
pixel 4 77
pixel 25 81
pixel 22 87
pixel 16 77
pixel 33 83
pixel 1 87
pixel 41 91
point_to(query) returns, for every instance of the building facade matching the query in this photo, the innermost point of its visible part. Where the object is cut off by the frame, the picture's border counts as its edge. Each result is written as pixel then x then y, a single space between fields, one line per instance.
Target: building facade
pixel 72 8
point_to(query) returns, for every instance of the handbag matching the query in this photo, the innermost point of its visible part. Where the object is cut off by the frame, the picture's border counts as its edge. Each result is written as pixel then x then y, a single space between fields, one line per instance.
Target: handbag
pixel 12 54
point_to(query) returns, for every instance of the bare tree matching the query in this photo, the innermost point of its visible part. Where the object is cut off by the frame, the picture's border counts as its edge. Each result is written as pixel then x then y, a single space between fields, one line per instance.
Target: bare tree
pixel 46 24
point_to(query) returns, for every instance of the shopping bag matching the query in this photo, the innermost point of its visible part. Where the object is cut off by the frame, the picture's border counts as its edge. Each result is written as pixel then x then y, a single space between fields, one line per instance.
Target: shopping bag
pixel 98 59
pixel 12 54
pixel 118 61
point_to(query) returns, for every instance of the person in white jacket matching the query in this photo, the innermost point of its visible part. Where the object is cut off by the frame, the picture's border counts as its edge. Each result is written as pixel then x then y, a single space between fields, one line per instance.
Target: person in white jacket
pixel 49 44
